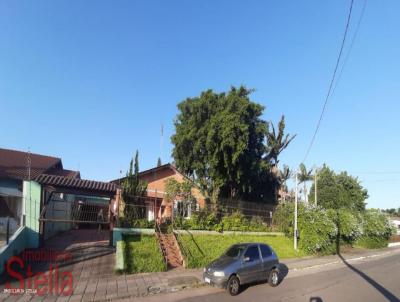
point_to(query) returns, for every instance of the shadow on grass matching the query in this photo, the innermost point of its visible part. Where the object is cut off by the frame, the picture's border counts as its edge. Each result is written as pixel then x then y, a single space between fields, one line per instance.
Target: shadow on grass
pixel 194 241
pixel 128 250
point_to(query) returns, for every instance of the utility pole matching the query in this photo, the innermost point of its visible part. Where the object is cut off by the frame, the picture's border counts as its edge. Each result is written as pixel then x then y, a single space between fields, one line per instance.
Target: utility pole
pixel 295 214
pixel 315 185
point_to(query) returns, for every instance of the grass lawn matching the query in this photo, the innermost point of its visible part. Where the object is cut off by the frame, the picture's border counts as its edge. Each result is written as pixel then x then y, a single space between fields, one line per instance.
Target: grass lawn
pixel 142 254
pixel 205 248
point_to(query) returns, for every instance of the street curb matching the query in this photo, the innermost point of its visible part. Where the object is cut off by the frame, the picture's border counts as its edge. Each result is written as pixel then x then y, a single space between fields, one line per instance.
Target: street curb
pixel 157 289
pixel 164 289
pixel 340 261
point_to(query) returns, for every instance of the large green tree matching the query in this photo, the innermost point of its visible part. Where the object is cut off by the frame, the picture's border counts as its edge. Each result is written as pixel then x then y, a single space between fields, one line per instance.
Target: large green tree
pixel 337 191
pixel 219 141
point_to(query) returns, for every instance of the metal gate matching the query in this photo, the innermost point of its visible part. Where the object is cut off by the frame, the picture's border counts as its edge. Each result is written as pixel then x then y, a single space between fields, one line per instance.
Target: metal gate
pixel 63 212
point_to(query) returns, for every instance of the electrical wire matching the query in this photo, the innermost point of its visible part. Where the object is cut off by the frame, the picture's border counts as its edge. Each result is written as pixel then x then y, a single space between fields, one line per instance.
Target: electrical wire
pixel 351 46
pixel 331 82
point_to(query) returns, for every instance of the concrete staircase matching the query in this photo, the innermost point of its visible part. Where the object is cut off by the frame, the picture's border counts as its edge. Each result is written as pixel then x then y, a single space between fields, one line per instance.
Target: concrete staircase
pixel 170 248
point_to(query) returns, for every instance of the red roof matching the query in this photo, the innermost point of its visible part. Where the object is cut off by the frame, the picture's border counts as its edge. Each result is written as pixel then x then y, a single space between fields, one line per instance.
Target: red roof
pixel 75 183
pixel 149 171
pixel 14 164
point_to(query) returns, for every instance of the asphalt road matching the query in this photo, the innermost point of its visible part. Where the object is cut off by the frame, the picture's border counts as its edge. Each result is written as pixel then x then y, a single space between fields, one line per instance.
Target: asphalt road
pixel 371 280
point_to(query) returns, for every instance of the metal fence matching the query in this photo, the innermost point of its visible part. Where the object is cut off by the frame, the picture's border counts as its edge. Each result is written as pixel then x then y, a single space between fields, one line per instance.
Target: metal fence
pixel 236 215
pixel 10 216
pixel 75 212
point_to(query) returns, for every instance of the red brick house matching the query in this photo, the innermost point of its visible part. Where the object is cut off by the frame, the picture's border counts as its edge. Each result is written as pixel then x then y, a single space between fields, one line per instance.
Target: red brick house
pixel 156 204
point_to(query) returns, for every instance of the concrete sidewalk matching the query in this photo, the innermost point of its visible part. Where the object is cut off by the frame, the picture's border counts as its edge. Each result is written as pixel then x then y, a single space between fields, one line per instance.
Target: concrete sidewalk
pixel 89 285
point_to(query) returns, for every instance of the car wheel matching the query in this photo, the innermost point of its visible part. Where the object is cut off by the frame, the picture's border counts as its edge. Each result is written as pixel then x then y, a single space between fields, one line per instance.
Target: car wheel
pixel 233 286
pixel 273 278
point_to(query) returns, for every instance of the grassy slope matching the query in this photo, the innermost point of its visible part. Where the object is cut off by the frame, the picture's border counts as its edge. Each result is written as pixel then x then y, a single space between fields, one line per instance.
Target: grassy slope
pixel 205 248
pixel 143 254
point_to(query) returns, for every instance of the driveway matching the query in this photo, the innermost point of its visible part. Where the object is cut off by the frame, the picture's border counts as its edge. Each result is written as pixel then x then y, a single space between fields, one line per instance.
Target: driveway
pixel 83 254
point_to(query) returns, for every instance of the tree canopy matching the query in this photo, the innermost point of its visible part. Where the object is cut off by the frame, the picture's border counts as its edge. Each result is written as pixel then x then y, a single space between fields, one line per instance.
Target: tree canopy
pixel 277 141
pixel 220 143
pixel 336 191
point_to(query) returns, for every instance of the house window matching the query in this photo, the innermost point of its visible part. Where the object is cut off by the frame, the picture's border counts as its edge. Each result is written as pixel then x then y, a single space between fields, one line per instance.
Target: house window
pixel 10 216
pixel 149 212
pixel 182 208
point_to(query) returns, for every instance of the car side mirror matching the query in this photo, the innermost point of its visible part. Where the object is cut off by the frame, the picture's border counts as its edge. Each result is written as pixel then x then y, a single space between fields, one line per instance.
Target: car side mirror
pixel 246 259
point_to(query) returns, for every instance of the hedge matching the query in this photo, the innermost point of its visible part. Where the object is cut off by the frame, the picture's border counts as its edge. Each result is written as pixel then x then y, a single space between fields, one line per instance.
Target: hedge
pixel 320 230
pixel 206 220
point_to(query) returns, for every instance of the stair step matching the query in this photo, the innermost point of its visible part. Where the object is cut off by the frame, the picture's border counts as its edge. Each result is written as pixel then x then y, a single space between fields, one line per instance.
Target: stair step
pixel 170 248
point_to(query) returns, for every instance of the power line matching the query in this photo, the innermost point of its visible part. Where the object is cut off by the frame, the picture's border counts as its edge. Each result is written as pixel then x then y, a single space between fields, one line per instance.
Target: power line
pixel 380 180
pixel 332 81
pixel 376 172
pixel 351 45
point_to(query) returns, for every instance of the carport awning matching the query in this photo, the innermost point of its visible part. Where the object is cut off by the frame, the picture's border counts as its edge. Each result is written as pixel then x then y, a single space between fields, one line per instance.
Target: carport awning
pixel 80 185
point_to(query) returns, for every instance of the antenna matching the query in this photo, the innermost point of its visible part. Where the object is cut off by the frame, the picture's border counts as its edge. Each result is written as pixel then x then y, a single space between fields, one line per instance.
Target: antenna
pixel 29 163
pixel 161 141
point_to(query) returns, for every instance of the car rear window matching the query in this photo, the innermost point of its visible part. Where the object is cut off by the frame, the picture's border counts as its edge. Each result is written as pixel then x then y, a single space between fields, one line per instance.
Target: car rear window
pixel 265 251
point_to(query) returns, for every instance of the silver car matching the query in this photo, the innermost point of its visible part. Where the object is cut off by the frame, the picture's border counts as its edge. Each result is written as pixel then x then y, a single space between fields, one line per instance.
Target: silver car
pixel 241 264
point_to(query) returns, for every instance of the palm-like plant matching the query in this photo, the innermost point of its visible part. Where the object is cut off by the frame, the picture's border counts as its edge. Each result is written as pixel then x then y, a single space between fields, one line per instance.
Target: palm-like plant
pixel 277 142
pixel 304 176
pixel 284 175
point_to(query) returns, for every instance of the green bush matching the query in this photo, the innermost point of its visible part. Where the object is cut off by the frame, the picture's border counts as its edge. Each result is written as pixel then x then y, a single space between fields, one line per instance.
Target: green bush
pixel 201 220
pixel 317 231
pixel 348 224
pixel 142 224
pixel 239 222
pixel 376 230
pixel 206 220
pixel 283 217
pixel 371 242
pixel 319 228
pixel 235 222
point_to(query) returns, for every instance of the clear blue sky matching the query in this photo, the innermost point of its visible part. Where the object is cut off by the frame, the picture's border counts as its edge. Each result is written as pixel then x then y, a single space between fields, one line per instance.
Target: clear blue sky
pixel 92 81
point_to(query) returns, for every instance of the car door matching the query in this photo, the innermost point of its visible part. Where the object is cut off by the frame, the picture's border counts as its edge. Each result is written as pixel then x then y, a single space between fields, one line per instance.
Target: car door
pixel 251 267
pixel 269 260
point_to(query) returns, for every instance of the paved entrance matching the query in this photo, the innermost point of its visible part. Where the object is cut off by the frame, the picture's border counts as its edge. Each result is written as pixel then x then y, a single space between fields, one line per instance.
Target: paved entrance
pixel 84 253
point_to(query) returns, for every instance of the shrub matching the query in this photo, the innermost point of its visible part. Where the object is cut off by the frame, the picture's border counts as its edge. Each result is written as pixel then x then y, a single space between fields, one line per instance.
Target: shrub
pixel 235 222
pixel 348 224
pixel 201 220
pixel 257 224
pixel 142 224
pixel 376 230
pixel 282 219
pixel 205 220
pixel 316 230
pixel 371 242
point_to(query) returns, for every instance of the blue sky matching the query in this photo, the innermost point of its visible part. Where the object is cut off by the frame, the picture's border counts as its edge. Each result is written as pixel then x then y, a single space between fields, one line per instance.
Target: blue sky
pixel 92 81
